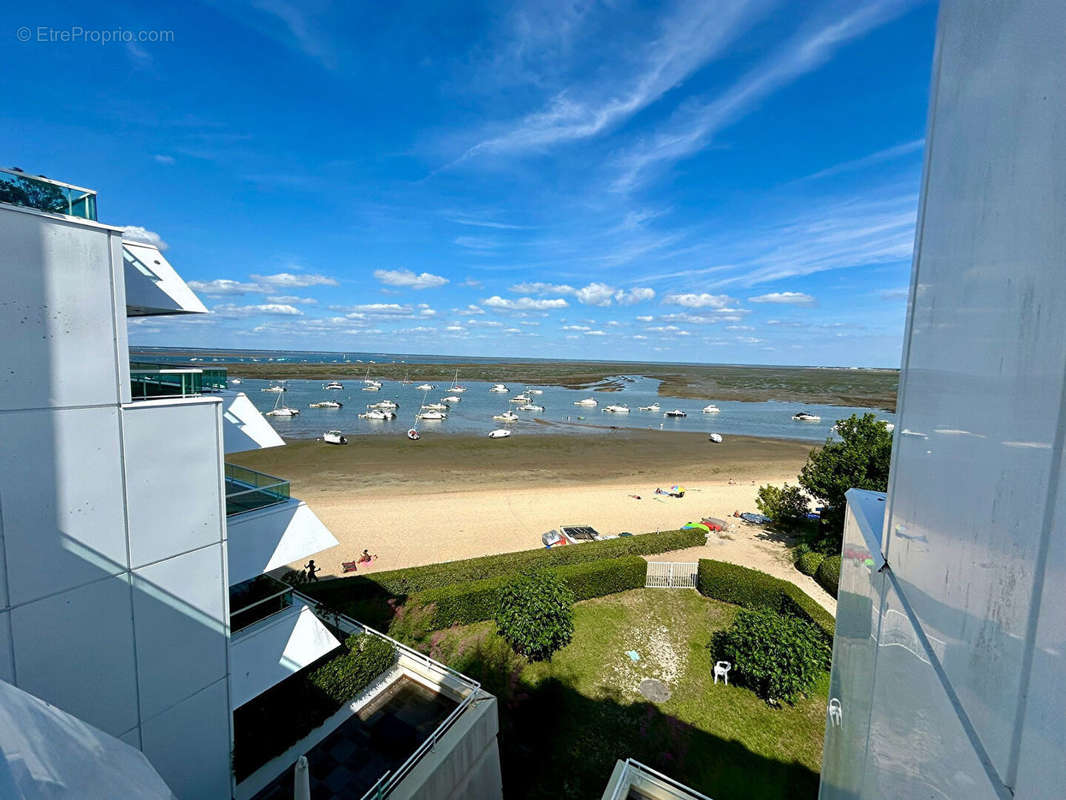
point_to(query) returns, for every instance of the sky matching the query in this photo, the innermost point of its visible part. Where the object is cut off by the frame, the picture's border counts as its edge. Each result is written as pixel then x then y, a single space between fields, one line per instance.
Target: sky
pixel 718 182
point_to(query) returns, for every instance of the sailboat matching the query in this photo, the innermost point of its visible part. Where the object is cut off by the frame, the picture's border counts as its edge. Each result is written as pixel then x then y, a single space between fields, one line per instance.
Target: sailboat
pixel 455 387
pixel 281 411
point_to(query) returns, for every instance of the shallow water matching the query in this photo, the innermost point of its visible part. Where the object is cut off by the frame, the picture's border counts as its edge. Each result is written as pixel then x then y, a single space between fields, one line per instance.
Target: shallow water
pixel 473 414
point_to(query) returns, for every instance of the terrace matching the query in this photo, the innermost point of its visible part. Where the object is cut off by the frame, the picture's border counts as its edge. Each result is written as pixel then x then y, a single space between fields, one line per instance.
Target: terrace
pixel 249 490
pixel 158 381
pixel 44 194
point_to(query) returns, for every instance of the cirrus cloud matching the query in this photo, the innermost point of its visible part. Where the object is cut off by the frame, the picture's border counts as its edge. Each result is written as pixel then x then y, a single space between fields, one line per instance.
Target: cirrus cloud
pixel 784 298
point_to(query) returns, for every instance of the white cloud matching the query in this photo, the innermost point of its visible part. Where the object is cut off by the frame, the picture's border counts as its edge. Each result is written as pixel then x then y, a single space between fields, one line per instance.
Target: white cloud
pixel 288 280
pixel 472 283
pixel 784 298
pixel 640 336
pixel 512 330
pixel 523 303
pixel 739 328
pixel 407 279
pixel 136 233
pixel 576 328
pixel 645 318
pixel 223 286
pixel 595 333
pixel 469 311
pixel 601 294
pixel 381 309
pixel 163 159
pixel 480 243
pixel 278 309
pixel 542 288
pixel 704 300
pixel 291 298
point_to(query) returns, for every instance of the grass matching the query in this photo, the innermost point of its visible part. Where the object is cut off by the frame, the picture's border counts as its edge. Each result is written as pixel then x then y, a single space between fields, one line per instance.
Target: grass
pixel 564 723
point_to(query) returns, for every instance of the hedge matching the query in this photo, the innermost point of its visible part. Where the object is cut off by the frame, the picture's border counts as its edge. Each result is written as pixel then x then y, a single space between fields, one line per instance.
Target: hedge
pixel 267 725
pixel 828 574
pixel 750 588
pixel 809 562
pixel 464 603
pixel 354 594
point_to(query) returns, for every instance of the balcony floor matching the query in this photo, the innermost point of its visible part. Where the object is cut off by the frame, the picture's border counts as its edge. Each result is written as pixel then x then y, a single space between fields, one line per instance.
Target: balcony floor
pixel 379 738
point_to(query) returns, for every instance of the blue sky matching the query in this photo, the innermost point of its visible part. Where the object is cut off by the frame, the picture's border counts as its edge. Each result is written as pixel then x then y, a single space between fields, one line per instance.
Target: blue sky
pixel 699 181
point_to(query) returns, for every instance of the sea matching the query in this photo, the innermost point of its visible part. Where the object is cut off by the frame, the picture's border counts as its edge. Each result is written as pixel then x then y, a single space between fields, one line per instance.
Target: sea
pixel 473 413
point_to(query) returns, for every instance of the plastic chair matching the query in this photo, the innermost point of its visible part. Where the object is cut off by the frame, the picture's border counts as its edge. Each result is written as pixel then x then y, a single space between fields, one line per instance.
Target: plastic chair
pixel 836 712
pixel 721 670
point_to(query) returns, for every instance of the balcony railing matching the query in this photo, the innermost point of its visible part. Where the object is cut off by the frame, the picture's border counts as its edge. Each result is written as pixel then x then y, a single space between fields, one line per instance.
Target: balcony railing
pixel 44 194
pixel 256 600
pixel 248 490
pixel 651 783
pixel 155 381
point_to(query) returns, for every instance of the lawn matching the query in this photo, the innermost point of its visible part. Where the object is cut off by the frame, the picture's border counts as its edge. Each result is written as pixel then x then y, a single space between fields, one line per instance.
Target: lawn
pixel 563 723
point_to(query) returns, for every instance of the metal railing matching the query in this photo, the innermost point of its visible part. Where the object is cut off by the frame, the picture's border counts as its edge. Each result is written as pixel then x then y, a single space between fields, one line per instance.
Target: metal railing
pixel 261 609
pixel 671 575
pixel 636 776
pixel 156 381
pixel 44 194
pixel 248 490
pixel 383 787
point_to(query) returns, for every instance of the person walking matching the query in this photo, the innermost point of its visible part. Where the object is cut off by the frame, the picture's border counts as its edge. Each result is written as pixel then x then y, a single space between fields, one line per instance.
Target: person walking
pixel 311 570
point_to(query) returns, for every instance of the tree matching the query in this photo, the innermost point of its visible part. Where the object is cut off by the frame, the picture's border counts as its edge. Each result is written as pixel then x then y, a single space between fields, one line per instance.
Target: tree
pixel 785 505
pixel 860 460
pixel 777 655
pixel 535 615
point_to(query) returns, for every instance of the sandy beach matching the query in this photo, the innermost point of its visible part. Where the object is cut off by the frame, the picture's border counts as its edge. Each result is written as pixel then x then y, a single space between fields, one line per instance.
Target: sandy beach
pixel 454 497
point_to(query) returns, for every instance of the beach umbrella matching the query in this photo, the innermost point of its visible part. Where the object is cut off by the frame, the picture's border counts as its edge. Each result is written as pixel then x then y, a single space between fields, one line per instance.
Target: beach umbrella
pixel 301 789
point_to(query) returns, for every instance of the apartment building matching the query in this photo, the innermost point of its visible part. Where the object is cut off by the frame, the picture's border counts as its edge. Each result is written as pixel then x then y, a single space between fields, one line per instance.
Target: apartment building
pixel 135 587
pixel 949 664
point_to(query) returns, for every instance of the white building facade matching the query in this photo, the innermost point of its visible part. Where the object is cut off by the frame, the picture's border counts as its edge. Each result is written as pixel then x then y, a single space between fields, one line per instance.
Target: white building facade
pixel 949 664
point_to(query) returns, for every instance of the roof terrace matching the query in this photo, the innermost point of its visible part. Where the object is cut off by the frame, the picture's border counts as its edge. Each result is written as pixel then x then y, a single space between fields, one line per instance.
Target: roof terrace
pixel 45 194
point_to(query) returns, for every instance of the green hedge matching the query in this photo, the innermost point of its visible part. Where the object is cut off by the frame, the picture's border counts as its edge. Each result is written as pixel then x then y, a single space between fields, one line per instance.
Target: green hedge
pixel 464 603
pixel 267 725
pixel 753 589
pixel 828 574
pixel 368 597
pixel 809 562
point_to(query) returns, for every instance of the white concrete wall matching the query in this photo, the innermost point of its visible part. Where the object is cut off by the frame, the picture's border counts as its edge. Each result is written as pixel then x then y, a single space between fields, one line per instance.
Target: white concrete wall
pixel 113 579
pixel 968 698
pixel 271 537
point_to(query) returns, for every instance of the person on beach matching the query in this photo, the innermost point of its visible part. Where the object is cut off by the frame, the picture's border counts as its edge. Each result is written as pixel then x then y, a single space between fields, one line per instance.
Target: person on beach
pixel 366 558
pixel 311 570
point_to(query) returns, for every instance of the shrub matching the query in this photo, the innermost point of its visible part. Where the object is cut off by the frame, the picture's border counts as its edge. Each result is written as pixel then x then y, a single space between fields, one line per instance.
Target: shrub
pixel 465 603
pixel 785 505
pixel 367 597
pixel 750 588
pixel 535 615
pixel 828 574
pixel 268 724
pixel 808 562
pixel 777 655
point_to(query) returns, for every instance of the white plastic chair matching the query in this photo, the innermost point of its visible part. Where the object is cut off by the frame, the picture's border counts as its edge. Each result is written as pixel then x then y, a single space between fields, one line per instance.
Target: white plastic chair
pixel 721 670
pixel 836 712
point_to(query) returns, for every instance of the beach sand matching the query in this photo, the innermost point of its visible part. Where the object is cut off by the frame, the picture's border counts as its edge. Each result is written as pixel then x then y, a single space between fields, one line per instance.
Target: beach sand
pixel 453 497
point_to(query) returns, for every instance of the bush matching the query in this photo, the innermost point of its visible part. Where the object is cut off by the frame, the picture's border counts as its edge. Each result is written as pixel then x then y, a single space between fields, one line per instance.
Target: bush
pixel 267 725
pixel 777 655
pixel 750 588
pixel 828 574
pixel 785 505
pixel 367 597
pixel 535 615
pixel 465 603
pixel 808 562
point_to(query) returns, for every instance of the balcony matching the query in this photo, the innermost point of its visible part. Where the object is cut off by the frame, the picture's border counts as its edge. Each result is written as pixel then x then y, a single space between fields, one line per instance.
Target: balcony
pixel 631 780
pixel 248 490
pixel 155 381
pixel 255 600
pixel 44 194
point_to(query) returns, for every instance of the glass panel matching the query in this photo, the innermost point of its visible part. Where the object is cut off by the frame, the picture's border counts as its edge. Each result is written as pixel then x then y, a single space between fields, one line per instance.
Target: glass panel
pixel 45 195
pixel 247 490
pixel 257 599
pixel 161 380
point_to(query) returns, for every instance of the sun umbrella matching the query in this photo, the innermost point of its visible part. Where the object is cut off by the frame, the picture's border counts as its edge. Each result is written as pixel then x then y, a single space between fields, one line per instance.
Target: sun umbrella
pixel 302 780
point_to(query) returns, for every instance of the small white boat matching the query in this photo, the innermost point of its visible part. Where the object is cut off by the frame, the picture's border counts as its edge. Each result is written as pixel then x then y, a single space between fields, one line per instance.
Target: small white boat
pixel 368 379
pixel 455 387
pixel 431 414
pixel 334 385
pixel 521 398
pixel 425 387
pixel 326 404
pixel 499 388
pixel 413 434
pixel 711 409
pixel 677 412
pixel 274 389
pixel 451 399
pixel 377 414
pixel 506 416
pixel 281 411
pixel 653 407
pixel 615 409
pixel 534 391
pixel 334 437
pixel 499 433
pixel 235 381
pixel 715 437
pixel 372 387
pixel 434 407
pixel 388 405
pixel 530 407
pixel 588 401
pixel 803 416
